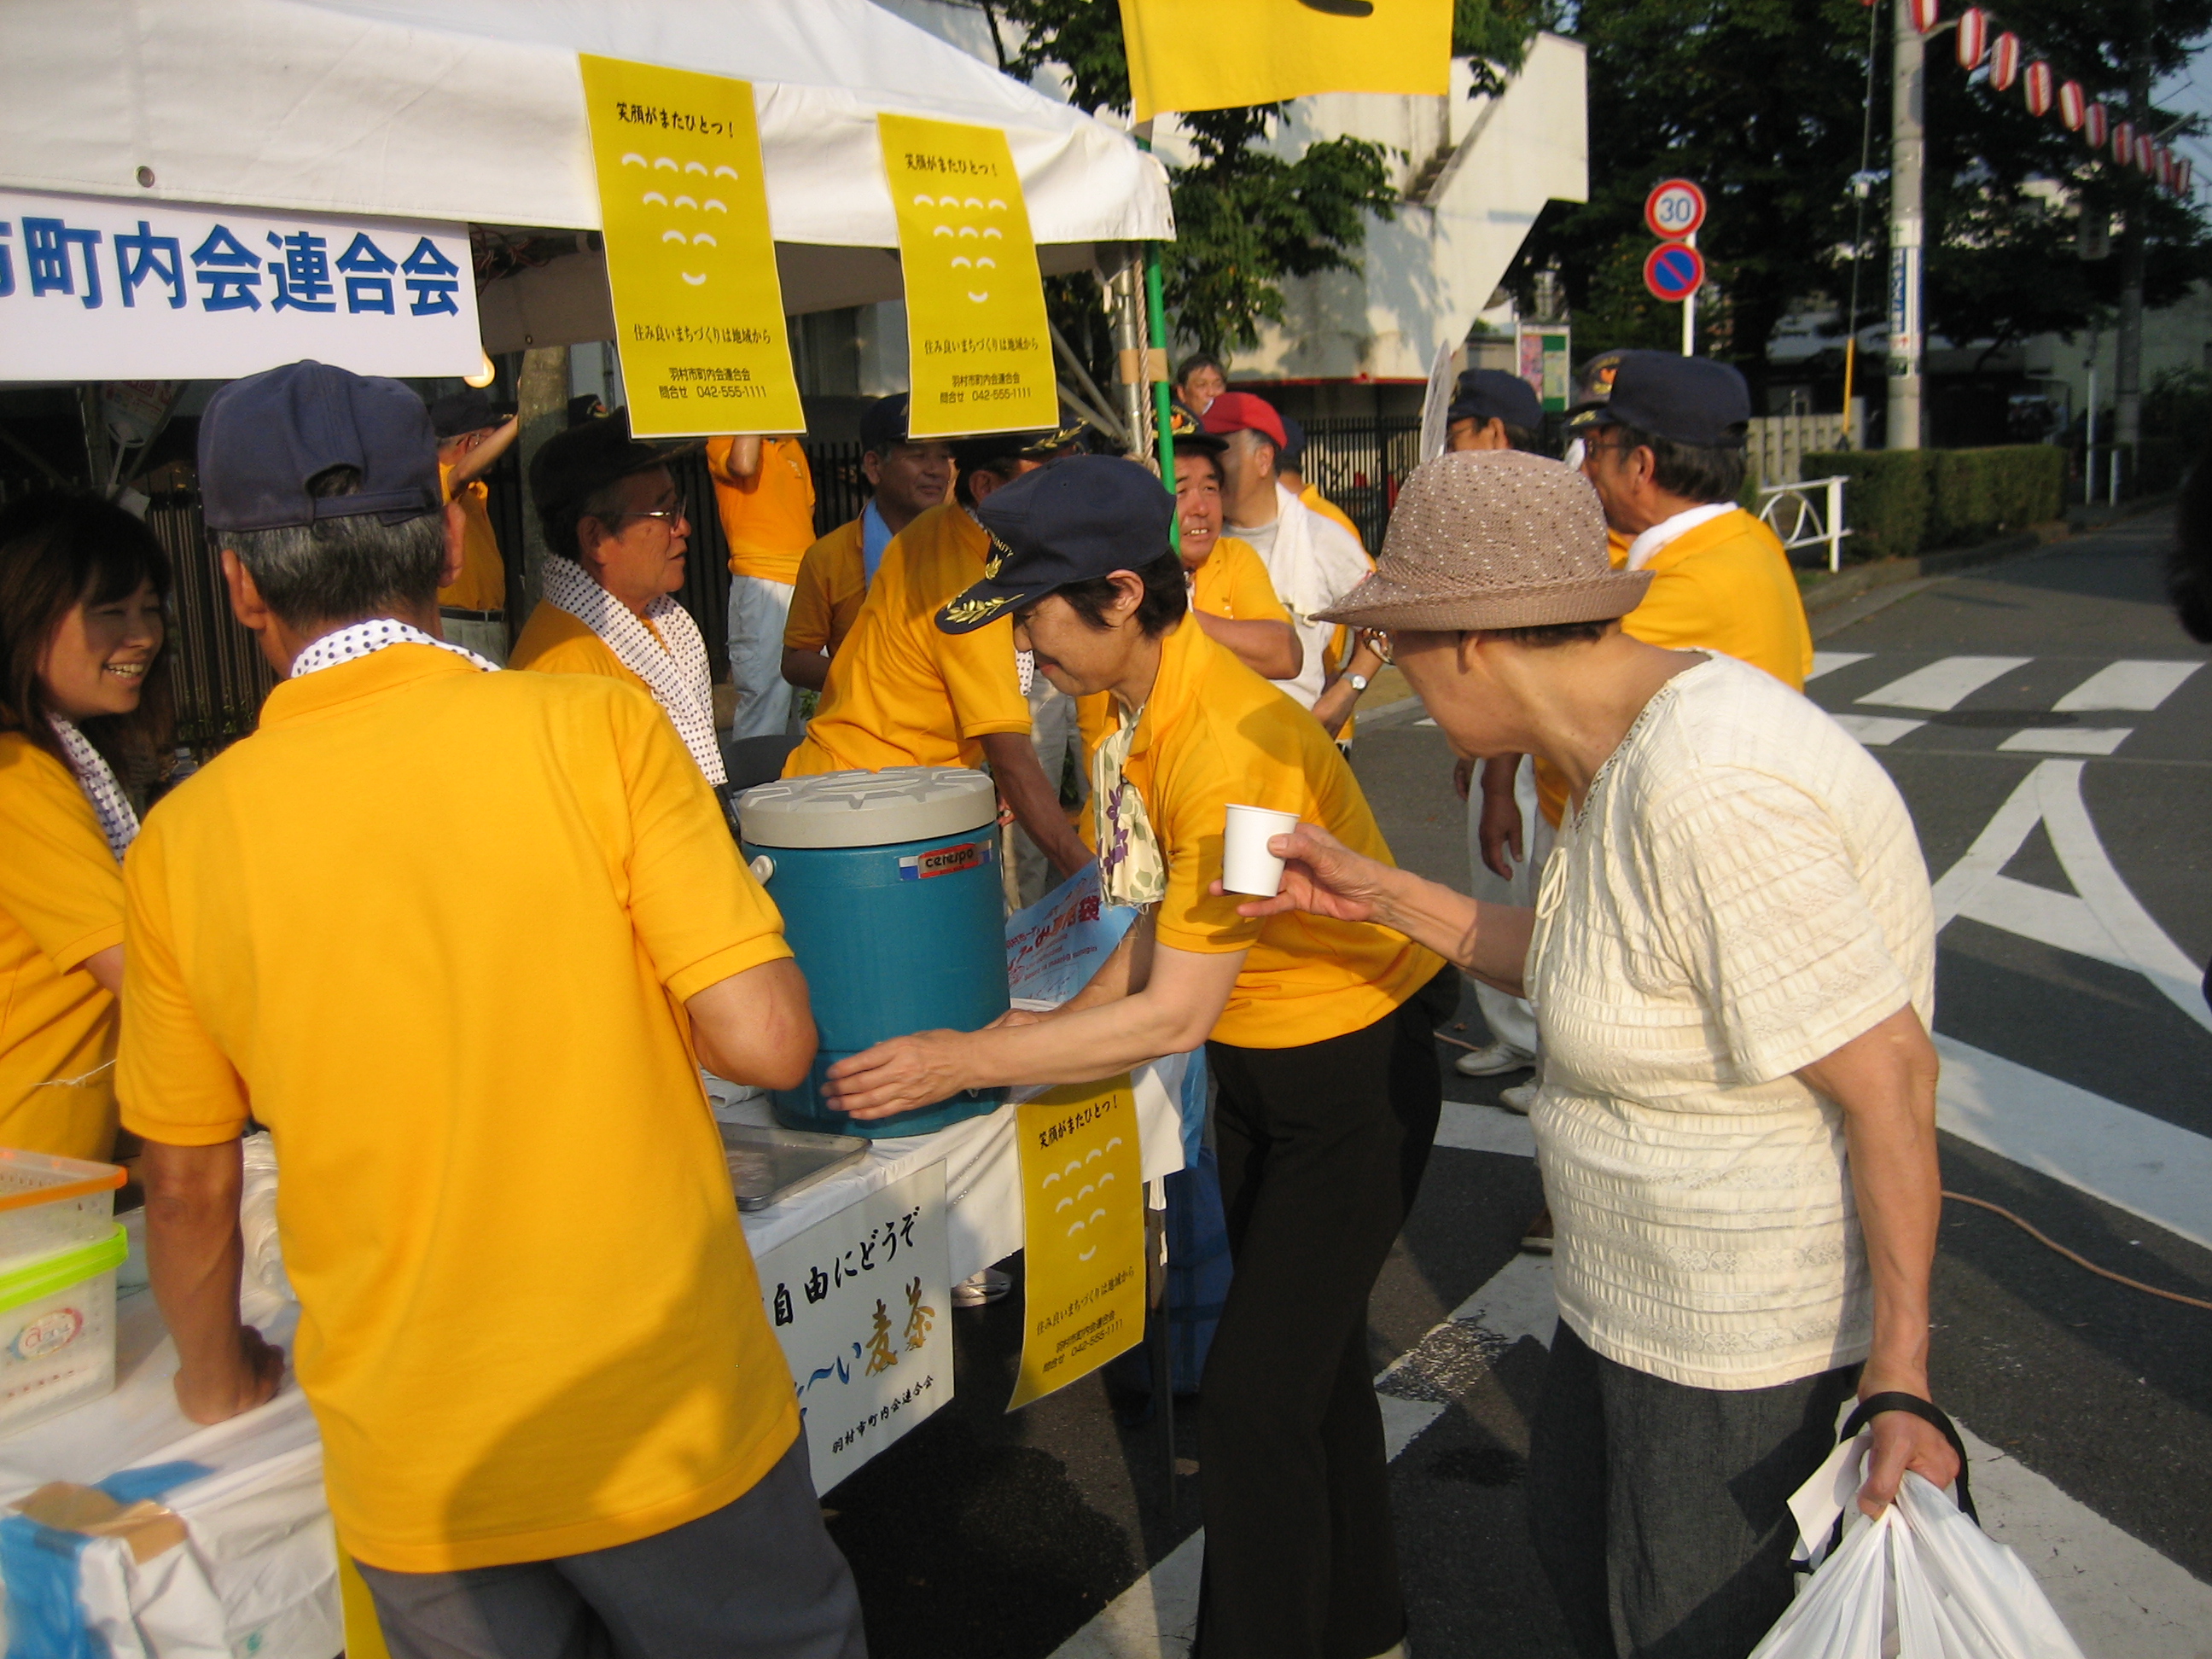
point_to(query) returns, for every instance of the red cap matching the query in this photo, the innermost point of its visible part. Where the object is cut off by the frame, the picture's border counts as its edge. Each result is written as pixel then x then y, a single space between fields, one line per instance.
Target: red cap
pixel 1240 411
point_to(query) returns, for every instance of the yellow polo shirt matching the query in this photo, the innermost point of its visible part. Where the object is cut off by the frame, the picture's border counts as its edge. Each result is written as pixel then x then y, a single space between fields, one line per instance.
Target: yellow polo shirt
pixel 1213 732
pixel 1722 585
pixel 900 691
pixel 449 976
pixel 1312 497
pixel 61 903
pixel 556 642
pixel 825 597
pixel 482 585
pixel 767 519
pixel 1234 584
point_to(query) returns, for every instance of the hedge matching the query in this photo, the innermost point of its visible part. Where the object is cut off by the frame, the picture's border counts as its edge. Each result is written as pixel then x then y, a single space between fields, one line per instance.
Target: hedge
pixel 1902 502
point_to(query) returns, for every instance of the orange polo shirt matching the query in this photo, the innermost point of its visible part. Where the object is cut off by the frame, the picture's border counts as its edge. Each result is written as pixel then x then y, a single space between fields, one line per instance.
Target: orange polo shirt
pixel 767 519
pixel 61 904
pixel 482 585
pixel 826 595
pixel 903 693
pixel 449 976
pixel 1213 732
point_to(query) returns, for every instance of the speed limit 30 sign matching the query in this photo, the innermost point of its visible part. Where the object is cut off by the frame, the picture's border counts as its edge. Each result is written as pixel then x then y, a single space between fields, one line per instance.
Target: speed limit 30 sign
pixel 1674 210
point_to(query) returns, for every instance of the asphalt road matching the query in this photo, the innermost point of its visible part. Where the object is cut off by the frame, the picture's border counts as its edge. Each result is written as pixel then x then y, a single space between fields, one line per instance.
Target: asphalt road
pixel 984 1535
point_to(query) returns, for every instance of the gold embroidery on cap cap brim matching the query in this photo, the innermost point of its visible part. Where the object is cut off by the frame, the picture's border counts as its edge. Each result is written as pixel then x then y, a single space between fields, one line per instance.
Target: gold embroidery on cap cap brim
pixel 960 612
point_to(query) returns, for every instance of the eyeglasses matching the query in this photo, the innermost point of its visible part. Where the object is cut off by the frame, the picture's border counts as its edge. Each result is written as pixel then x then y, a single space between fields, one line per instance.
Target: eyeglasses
pixel 669 516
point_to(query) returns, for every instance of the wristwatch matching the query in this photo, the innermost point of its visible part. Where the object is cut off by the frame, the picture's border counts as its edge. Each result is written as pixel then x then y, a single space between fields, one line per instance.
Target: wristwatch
pixel 1357 681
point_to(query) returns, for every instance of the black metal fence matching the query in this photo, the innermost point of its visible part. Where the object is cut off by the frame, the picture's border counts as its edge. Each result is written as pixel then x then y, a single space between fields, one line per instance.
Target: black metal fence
pixel 1358 465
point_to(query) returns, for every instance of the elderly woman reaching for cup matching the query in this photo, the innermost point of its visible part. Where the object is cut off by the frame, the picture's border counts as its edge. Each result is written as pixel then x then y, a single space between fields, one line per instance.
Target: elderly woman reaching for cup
pixel 1731 960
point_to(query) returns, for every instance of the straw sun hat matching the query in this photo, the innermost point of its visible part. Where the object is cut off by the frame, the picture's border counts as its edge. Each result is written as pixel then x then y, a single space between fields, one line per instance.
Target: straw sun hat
pixel 1492 539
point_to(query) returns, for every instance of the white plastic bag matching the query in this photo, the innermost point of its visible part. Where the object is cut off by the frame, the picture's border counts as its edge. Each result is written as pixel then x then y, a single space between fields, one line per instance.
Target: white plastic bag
pixel 1923 1582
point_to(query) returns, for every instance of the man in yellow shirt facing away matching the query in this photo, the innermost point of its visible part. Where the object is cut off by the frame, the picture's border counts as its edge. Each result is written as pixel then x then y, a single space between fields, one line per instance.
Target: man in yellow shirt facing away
pixel 765 491
pixel 908 477
pixel 551 1405
pixel 617 536
pixel 470 440
pixel 902 693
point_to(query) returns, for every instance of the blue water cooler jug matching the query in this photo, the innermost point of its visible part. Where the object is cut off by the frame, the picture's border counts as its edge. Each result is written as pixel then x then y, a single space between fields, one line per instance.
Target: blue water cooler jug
pixel 890 890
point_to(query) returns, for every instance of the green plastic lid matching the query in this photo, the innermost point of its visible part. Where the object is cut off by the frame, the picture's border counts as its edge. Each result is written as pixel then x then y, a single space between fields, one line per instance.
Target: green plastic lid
pixel 50 1274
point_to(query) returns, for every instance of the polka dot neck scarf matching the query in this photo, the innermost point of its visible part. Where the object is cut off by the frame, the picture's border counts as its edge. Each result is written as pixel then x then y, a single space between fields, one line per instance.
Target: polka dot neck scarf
pixel 119 820
pixel 365 639
pixel 670 657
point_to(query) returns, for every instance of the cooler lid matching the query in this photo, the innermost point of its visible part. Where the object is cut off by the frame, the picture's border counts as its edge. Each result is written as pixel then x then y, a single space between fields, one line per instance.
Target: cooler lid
pixel 867 809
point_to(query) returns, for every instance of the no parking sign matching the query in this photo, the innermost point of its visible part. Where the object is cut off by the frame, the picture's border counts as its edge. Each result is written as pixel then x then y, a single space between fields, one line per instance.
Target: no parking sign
pixel 1674 270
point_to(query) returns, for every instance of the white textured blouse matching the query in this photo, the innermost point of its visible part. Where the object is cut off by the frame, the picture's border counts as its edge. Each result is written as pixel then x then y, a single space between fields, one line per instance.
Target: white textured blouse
pixel 1741 894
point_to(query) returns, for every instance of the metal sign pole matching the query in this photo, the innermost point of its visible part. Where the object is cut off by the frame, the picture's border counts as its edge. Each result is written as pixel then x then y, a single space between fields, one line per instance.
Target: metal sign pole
pixel 1690 312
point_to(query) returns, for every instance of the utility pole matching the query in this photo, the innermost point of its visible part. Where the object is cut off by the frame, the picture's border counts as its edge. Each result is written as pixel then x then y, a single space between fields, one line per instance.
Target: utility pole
pixel 1907 149
pixel 2127 348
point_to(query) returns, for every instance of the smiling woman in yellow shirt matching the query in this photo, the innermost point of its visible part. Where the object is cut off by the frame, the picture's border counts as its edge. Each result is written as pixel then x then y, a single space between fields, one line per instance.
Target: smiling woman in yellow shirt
pixel 82 585
pixel 1317 1032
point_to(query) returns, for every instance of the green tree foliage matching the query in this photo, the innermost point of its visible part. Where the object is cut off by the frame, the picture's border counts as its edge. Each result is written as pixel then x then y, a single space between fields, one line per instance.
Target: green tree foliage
pixel 1246 217
pixel 1761 102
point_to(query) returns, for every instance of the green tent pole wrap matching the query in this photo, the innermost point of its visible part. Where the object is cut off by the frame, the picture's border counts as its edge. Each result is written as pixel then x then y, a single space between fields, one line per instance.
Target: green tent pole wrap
pixel 1156 314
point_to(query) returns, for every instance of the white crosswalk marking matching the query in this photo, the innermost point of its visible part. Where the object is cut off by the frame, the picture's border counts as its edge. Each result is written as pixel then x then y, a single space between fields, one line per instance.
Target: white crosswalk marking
pixel 2068 740
pixel 2129 684
pixel 1944 684
pixel 1875 730
pixel 1827 662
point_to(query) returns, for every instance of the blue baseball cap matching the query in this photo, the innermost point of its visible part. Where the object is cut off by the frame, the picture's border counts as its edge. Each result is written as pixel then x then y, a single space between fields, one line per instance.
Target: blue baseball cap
pixel 1078 519
pixel 264 438
pixel 1685 400
pixel 1488 394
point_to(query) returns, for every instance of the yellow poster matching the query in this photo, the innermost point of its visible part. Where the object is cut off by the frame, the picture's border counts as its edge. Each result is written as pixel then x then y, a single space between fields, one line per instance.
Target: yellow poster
pixel 979 350
pixel 1083 1233
pixel 691 263
pixel 1221 54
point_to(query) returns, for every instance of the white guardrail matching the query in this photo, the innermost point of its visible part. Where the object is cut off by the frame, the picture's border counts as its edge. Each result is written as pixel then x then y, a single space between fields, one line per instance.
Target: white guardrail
pixel 1809 513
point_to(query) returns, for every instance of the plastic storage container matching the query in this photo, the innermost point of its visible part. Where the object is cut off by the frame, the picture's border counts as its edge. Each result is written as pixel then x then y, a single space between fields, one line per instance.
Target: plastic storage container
pixel 48 1204
pixel 890 886
pixel 57 1330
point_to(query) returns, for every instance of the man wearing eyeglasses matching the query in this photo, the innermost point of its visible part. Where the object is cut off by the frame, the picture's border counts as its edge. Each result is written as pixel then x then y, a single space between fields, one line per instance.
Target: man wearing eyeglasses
pixel 616 526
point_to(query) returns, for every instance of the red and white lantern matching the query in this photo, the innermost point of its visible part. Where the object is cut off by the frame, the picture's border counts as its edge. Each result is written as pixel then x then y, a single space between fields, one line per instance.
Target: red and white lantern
pixel 2004 61
pixel 2123 142
pixel 1926 13
pixel 1973 41
pixel 2161 159
pixel 2092 124
pixel 2037 81
pixel 2182 168
pixel 2071 104
pixel 2146 153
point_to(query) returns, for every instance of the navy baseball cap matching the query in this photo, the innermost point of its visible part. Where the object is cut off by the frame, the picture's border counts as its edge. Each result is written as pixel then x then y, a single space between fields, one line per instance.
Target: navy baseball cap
pixel 883 423
pixel 462 412
pixel 1685 400
pixel 574 464
pixel 1078 518
pixel 1490 394
pixel 1292 454
pixel 263 438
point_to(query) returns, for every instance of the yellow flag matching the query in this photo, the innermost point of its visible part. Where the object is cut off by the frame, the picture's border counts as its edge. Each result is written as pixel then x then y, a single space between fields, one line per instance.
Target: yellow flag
pixel 979 350
pixel 1083 1234
pixel 690 261
pixel 1217 54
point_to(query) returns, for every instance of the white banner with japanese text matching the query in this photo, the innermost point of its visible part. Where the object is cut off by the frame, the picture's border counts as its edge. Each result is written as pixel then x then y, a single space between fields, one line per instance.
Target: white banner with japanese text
pixel 859 1302
pixel 94 288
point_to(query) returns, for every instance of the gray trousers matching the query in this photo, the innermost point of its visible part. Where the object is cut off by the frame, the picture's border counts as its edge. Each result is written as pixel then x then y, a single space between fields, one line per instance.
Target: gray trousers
pixel 757 1578
pixel 1660 1511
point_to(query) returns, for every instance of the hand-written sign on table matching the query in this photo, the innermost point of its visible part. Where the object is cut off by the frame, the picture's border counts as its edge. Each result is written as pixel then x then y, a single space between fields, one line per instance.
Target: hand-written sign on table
pixel 859 1303
pixel 1083 1234
pixel 690 260
pixel 979 349
pixel 1053 947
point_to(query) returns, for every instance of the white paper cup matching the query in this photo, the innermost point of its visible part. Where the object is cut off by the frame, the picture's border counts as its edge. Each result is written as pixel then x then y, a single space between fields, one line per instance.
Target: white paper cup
pixel 1247 865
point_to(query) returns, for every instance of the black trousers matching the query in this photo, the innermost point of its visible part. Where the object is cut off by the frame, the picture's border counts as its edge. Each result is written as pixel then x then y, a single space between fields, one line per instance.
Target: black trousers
pixel 1321 1149
pixel 1662 1511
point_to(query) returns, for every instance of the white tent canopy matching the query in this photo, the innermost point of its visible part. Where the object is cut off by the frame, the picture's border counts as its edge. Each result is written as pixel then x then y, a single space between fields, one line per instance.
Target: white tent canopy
pixel 473 110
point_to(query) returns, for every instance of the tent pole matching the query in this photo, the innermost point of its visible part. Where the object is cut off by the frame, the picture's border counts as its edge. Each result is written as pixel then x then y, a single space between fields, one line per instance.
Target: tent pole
pixel 1156 313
